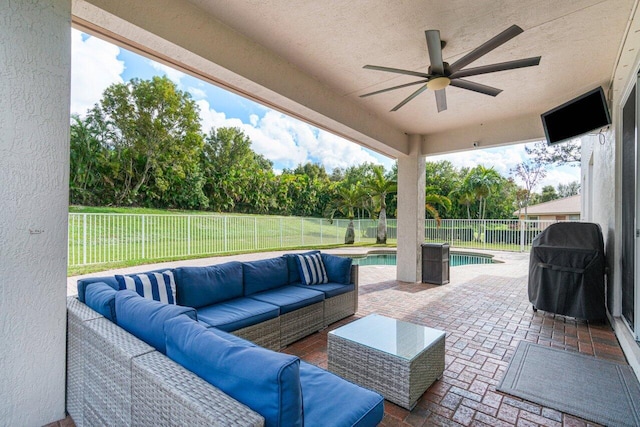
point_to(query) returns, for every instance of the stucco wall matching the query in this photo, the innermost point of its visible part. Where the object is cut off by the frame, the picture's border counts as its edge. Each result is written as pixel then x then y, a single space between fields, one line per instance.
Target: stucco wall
pixel 603 207
pixel 35 63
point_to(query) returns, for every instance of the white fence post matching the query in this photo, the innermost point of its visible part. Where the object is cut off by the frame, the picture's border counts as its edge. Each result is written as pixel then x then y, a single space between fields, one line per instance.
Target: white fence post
pixel 521 235
pixel 143 235
pixel 189 235
pixel 255 232
pixel 84 239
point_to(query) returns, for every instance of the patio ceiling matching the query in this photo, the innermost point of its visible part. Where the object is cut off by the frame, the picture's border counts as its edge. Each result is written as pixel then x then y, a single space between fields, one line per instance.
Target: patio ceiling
pixel 305 58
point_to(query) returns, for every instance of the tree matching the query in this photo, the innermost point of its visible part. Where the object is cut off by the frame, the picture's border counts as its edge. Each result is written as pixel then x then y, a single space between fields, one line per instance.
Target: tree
pixel 483 182
pixel 236 178
pixel 570 189
pixel 348 199
pixel 88 159
pixel 149 127
pixel 531 174
pixel 560 154
pixel 379 186
pixel 548 193
pixel 433 199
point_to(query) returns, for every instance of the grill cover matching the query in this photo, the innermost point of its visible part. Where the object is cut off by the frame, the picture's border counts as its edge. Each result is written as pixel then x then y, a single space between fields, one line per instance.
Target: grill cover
pixel 566 270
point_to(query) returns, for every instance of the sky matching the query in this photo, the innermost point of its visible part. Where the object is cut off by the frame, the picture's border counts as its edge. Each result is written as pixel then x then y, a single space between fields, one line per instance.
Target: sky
pixel 286 141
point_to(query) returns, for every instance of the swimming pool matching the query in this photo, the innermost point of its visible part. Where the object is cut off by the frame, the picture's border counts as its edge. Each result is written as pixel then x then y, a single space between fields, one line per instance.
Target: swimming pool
pixel 455 259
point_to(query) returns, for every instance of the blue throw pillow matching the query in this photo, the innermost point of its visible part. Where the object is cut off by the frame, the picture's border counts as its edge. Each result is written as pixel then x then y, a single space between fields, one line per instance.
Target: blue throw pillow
pixel 266 381
pixel 145 318
pixel 338 268
pixel 156 286
pixel 311 267
pixel 292 265
pixel 102 298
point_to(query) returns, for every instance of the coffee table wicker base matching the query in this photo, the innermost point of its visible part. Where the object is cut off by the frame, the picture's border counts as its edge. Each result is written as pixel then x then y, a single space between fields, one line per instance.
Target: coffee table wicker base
pixel 399 380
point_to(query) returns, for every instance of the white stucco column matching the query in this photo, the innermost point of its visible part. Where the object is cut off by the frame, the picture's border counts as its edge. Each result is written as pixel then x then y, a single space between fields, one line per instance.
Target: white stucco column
pixel 411 193
pixel 35 63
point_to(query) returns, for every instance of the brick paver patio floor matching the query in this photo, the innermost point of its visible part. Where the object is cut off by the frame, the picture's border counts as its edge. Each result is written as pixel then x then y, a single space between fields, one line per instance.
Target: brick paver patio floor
pixel 485 313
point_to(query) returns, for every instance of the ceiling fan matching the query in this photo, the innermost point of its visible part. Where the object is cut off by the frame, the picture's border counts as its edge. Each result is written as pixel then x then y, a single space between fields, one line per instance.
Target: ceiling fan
pixel 441 74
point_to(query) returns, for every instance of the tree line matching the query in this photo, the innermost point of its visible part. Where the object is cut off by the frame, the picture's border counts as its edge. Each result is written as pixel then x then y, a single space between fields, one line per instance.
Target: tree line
pixel 143 145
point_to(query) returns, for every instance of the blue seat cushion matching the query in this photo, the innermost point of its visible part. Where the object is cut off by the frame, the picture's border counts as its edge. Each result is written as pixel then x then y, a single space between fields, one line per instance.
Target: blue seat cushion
pixel 264 275
pixel 84 283
pixel 145 317
pixel 237 313
pixel 330 289
pixel 203 286
pixel 338 268
pixel 329 397
pixel 290 298
pixel 265 381
pixel 292 265
pixel 102 298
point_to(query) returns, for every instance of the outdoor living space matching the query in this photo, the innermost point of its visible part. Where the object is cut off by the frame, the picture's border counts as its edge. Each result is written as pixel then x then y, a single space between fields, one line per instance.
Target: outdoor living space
pixel 485 312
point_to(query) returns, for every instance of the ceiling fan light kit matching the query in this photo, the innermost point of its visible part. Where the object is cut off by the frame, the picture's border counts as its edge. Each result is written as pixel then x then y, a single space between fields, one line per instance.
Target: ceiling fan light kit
pixel 440 74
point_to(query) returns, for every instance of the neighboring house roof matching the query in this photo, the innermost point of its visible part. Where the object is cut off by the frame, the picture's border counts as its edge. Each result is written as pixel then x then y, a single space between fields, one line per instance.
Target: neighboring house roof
pixel 567 206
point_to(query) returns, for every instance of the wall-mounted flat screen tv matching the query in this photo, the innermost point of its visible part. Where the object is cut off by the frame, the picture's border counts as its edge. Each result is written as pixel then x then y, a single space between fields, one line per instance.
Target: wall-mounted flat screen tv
pixel 581 115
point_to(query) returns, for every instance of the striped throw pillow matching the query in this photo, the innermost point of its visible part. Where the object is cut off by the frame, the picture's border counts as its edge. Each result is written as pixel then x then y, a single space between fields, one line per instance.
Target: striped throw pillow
pixel 312 271
pixel 156 286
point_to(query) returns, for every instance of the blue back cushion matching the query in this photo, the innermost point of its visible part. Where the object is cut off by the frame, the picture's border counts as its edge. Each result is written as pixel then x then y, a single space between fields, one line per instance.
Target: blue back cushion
pixel 102 298
pixel 338 268
pixel 84 283
pixel 202 286
pixel 292 265
pixel 266 381
pixel 145 318
pixel 264 275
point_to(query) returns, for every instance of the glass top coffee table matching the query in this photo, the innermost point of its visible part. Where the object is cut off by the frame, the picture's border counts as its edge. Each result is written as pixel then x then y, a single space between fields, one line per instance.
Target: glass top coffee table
pixel 398 359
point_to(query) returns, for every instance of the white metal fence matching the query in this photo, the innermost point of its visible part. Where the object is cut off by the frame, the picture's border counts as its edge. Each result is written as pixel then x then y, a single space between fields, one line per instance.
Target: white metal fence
pixel 105 238
pixel 497 234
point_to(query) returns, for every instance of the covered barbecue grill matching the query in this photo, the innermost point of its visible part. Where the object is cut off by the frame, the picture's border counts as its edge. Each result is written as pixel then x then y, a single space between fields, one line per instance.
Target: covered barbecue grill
pixel 566 271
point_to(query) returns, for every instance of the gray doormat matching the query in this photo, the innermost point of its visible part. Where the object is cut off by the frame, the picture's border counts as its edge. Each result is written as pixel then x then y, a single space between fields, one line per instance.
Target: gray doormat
pixel 597 390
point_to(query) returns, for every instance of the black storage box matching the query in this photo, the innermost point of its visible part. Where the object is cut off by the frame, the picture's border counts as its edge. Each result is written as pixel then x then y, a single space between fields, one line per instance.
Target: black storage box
pixel 435 263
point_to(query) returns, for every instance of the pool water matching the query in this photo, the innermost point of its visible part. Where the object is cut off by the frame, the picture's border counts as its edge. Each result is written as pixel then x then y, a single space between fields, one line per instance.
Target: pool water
pixel 454 259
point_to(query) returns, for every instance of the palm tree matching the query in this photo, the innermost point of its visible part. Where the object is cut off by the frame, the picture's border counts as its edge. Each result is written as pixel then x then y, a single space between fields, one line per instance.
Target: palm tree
pixel 483 181
pixel 465 196
pixel 348 200
pixel 433 199
pixel 378 187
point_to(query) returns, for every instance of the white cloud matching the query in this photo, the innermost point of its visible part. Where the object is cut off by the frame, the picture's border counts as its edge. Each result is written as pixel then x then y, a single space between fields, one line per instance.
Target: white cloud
pixel 173 74
pixel 94 67
pixel 197 93
pixel 288 142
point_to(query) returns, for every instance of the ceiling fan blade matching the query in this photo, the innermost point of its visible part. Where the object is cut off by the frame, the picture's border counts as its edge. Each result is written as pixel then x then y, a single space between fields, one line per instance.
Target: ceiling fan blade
pixel 441 100
pixel 486 47
pixel 394 88
pixel 502 66
pixel 434 46
pixel 476 87
pixel 397 71
pixel 409 98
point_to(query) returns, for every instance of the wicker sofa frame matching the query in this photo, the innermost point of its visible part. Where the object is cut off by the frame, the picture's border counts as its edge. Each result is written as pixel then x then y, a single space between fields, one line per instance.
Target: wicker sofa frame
pixel 114 378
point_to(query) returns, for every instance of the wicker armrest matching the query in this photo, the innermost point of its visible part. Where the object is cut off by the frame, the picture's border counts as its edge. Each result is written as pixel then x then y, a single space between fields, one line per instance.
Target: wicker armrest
pixel 165 393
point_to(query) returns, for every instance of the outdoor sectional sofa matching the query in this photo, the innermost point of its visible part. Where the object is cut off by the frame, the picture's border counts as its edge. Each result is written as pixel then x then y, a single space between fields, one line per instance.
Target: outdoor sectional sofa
pixel 209 359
